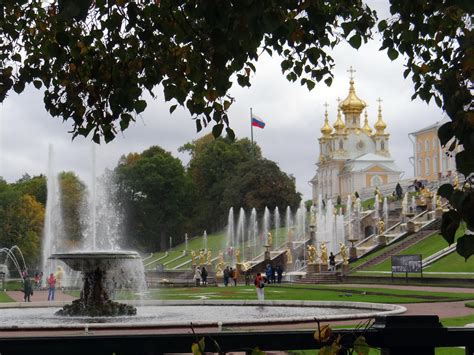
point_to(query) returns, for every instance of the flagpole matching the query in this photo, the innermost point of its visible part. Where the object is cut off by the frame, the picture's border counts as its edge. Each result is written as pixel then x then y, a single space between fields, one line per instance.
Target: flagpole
pixel 251 132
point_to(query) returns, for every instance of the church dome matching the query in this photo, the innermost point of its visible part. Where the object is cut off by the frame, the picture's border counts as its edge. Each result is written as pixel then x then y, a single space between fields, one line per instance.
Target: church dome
pixel 380 125
pixel 366 127
pixel 352 103
pixel 339 125
pixel 326 130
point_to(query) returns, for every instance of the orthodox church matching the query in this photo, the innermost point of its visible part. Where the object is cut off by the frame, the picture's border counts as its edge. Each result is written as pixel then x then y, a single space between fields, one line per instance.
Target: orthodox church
pixel 353 157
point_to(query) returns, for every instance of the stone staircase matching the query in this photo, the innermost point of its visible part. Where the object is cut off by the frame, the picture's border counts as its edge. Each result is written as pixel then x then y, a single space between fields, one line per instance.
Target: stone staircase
pixel 401 245
pixel 321 278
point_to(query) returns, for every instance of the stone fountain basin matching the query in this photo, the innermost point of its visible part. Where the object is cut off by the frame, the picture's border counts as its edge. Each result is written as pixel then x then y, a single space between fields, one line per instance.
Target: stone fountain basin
pixel 90 260
pixel 170 314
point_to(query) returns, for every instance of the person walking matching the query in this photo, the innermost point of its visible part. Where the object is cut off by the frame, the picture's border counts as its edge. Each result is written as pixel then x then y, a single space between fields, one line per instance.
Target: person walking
pixel 51 281
pixel 204 276
pixel 269 272
pixel 234 276
pixel 279 271
pixel 27 289
pixel 226 274
pixel 332 262
pixel 197 276
pixel 259 285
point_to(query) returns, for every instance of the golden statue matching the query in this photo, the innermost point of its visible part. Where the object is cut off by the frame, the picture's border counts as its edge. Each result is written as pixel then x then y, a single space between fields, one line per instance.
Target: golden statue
pixel 324 253
pixel 290 234
pixel 343 252
pixel 220 269
pixel 311 254
pixel 193 257
pixel 202 257
pixel 438 201
pixel 59 276
pixel 221 258
pixel 456 182
pixel 381 226
pixel 209 257
pixel 288 256
pixel 237 255
pixel 269 239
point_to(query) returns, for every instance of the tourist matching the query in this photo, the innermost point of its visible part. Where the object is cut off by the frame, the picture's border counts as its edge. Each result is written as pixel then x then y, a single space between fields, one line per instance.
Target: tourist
pixel 259 285
pixel 197 276
pixel 204 276
pixel 332 262
pixel 269 272
pixel 226 276
pixel 51 281
pixel 248 277
pixel 231 274
pixel 27 288
pixel 279 271
pixel 234 276
pixel 37 281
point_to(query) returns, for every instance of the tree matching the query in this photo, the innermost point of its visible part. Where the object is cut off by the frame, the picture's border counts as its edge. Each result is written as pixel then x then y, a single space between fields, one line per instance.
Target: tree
pixel 22 224
pixel 72 199
pixel 96 58
pixel 156 196
pixel 260 183
pixel 213 163
pixel 34 186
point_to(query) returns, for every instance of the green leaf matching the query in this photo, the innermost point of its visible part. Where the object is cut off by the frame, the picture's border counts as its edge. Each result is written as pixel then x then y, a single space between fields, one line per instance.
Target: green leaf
pixel 198 125
pixel 382 25
pixel 449 225
pixel 257 351
pixel 217 130
pixel 328 81
pixel 355 41
pixel 445 133
pixel 392 53
pixel 140 106
pixel 195 349
pixel 125 119
pixel 465 246
pixel 360 346
pixel 465 162
pixel 446 190
pixel 37 84
pixel 230 133
pixel 310 84
pixel 172 108
pixel 62 38
pixel 18 87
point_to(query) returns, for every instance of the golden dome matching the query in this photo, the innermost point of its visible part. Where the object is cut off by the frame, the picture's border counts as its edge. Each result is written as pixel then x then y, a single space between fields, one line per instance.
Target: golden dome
pixel 352 103
pixel 380 125
pixel 339 125
pixel 366 127
pixel 326 130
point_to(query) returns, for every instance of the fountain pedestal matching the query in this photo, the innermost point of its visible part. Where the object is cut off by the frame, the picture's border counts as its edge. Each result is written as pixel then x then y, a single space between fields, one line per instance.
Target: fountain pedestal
pixel 345 269
pixel 313 269
pixel 352 249
pixel 382 239
pixel 266 254
pixel 95 299
pixel 324 267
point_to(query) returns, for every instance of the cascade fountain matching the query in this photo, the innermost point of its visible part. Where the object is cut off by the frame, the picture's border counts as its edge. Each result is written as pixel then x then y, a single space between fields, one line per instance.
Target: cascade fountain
pixel 376 207
pixel 289 224
pixel 266 224
pixel 276 220
pixel 241 233
pixel 253 228
pixel 230 229
pixel 10 254
pixel 103 265
pixel 204 240
pixel 385 212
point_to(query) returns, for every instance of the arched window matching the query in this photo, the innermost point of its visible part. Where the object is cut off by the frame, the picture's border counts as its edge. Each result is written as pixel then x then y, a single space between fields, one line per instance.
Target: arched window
pixel 419 167
pixel 382 145
pixel 427 166
pixel 419 146
pixel 375 181
pixel 427 145
pixel 435 165
pixel 341 144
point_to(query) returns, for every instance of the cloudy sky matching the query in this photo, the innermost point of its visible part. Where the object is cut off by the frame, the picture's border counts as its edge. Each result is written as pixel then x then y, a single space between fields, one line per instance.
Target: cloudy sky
pixel 293 115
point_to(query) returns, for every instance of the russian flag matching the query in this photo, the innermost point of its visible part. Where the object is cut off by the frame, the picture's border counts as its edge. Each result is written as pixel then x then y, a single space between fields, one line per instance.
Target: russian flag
pixel 257 121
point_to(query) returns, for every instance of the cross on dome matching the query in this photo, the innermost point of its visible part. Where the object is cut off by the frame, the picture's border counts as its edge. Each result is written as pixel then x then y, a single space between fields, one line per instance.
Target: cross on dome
pixel 351 72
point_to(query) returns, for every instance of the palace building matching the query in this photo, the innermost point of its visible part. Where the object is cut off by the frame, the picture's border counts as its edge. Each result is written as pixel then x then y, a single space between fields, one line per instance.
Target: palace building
pixel 353 156
pixel 429 160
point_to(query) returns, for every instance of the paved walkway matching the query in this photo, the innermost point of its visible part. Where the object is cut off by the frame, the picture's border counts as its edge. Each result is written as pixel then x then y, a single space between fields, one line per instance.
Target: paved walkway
pixel 40 296
pixel 411 288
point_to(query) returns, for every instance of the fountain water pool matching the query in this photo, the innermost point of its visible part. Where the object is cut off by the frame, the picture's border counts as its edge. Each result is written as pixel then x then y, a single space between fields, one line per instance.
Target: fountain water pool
pixel 202 313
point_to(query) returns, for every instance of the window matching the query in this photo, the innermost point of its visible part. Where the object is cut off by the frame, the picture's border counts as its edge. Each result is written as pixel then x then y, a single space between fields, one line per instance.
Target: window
pixel 419 146
pixel 382 145
pixel 419 167
pixel 427 166
pixel 375 181
pixel 427 145
pixel 435 165
pixel 341 144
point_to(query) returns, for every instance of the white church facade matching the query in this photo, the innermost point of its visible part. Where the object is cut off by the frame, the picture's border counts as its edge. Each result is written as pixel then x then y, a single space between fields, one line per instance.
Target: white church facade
pixel 353 156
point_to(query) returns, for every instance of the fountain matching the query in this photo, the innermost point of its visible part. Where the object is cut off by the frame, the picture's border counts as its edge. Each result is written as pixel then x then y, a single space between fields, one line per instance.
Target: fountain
pixel 204 240
pixel 103 265
pixel 10 254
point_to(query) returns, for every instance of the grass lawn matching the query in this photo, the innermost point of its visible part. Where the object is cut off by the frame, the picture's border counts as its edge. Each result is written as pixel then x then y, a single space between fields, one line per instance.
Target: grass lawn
pixel 305 292
pixel 452 263
pixel 5 298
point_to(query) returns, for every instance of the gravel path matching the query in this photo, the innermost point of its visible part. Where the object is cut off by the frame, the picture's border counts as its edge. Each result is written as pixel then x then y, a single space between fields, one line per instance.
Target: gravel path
pixel 39 296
